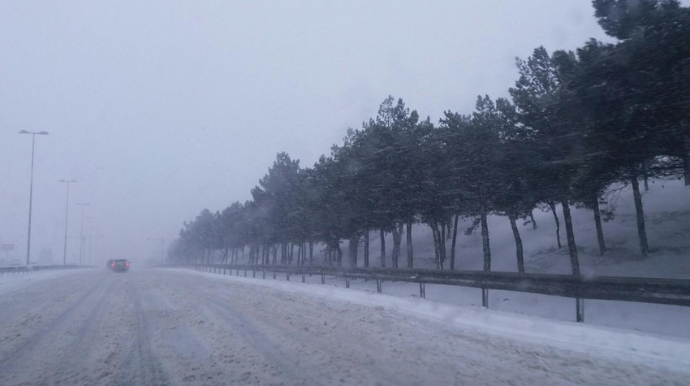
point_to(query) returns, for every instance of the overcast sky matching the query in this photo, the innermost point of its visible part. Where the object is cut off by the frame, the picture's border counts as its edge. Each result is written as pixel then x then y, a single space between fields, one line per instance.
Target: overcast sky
pixel 162 108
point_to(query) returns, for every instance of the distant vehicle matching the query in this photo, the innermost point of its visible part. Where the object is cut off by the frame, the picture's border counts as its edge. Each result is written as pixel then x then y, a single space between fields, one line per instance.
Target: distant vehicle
pixel 109 263
pixel 119 265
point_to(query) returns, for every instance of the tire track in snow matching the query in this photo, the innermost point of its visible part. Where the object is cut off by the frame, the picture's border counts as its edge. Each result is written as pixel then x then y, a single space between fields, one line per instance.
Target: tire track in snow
pixel 245 329
pixel 141 366
pixel 14 354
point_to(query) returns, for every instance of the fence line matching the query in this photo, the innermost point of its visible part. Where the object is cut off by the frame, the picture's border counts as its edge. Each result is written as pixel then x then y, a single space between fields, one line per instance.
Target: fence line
pixel 631 289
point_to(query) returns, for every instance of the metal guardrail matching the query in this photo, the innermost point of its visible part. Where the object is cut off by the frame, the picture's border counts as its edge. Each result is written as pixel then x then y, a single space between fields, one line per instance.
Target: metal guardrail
pixel 18 270
pixel 631 289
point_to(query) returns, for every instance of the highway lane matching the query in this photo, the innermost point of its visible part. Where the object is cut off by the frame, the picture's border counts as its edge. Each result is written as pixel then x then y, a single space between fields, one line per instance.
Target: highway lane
pixel 170 327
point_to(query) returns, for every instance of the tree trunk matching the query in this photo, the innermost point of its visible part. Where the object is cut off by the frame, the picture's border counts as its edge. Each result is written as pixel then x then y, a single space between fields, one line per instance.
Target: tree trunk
pixel 383 249
pixel 533 220
pixel 518 243
pixel 397 242
pixel 339 253
pixel 570 235
pixel 410 251
pixel 442 244
pixel 311 252
pixel 453 244
pixel 434 233
pixel 552 205
pixel 641 231
pixel 686 173
pixel 486 246
pixel 686 161
pixel 354 244
pixel 597 222
pixel 366 249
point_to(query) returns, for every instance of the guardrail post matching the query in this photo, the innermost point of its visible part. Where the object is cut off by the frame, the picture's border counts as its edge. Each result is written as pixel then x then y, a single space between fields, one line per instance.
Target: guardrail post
pixel 485 298
pixel 303 278
pixel 287 276
pixel 245 273
pixel 422 290
pixel 263 274
pixel 253 273
pixel 323 279
pixel 580 310
pixel 378 285
pixel 347 282
pixel 274 275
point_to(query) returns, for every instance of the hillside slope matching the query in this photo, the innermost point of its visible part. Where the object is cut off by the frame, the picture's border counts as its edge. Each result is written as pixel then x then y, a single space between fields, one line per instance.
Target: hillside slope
pixel 667 214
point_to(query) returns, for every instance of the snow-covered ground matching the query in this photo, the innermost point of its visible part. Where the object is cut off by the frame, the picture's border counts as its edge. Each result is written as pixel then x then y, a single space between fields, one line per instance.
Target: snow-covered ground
pixel 667 214
pixel 652 318
pixel 180 327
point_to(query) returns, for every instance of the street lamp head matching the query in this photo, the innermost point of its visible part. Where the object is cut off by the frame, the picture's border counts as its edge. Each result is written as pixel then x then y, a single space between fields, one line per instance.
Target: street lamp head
pixel 33 132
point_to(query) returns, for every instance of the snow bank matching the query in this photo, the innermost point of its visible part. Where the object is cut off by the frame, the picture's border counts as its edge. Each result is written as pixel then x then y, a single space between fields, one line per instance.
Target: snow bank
pixel 606 342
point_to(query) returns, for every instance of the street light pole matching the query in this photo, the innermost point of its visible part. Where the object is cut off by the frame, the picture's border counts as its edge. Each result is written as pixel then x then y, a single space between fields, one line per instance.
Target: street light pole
pixel 64 255
pixel 81 233
pixel 31 188
pixel 90 237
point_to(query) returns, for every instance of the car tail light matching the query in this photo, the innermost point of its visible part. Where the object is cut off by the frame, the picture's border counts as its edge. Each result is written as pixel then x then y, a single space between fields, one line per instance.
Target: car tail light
pixel 113 265
pixel 127 264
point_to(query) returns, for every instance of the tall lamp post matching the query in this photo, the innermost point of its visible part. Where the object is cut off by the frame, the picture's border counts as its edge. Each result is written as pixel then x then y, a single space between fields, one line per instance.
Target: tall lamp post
pixel 90 237
pixel 31 187
pixel 162 247
pixel 64 254
pixel 81 234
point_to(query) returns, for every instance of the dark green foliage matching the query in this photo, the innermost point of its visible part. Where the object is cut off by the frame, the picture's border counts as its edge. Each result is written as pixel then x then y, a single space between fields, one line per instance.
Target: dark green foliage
pixel 576 123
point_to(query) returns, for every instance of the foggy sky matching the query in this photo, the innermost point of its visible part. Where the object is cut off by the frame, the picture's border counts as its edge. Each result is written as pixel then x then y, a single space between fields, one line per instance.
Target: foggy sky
pixel 162 108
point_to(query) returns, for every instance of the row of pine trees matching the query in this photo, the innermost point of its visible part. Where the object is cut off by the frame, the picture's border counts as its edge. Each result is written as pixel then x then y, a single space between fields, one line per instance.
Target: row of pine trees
pixel 576 123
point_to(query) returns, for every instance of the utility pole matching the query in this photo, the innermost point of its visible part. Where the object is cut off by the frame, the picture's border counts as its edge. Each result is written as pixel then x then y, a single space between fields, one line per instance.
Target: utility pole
pixel 64 254
pixel 31 188
pixel 81 234
pixel 90 237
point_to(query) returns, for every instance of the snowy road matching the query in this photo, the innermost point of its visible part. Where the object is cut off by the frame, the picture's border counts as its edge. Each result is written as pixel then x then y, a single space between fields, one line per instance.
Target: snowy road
pixel 169 327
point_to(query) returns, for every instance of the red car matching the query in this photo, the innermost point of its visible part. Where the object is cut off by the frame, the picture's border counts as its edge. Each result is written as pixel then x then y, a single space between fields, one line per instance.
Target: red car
pixel 119 265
